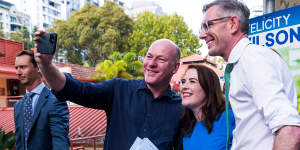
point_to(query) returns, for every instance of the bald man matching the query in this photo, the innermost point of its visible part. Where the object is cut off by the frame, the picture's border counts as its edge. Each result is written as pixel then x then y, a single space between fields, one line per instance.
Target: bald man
pixel 135 108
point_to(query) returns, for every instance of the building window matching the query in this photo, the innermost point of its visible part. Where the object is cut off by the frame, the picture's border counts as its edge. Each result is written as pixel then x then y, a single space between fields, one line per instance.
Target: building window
pixel 121 4
pixel 19 20
pixel 51 3
pixel 13 19
pixel 46 26
pixel 15 28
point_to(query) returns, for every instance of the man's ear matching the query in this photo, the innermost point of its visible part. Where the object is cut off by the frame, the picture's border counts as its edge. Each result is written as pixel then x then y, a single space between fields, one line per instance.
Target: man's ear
pixel 177 64
pixel 234 24
pixel 38 70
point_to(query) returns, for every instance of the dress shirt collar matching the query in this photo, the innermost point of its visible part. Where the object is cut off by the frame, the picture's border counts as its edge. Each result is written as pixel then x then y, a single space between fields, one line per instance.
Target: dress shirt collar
pixel 38 89
pixel 168 93
pixel 238 50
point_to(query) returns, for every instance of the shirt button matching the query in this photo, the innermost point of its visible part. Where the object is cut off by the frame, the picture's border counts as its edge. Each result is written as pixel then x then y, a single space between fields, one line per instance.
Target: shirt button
pixel 145 130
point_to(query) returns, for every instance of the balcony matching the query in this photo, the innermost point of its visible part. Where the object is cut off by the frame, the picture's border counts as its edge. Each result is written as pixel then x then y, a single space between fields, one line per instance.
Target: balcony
pixel 87 143
pixel 15 27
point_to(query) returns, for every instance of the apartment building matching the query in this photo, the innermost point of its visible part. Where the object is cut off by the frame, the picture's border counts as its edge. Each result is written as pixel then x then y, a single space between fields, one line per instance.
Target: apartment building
pixel 140 6
pixel 44 12
pixel 12 20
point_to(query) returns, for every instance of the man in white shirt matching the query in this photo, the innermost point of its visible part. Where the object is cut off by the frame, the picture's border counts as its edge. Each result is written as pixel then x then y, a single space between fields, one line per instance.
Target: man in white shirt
pixel 262 91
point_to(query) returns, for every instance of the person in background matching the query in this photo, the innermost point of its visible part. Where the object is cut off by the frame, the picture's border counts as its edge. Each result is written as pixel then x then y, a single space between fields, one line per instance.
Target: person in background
pixel 262 92
pixel 203 125
pixel 41 121
pixel 14 90
pixel 137 109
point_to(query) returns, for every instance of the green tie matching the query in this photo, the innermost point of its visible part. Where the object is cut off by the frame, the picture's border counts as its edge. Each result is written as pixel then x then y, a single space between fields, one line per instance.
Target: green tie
pixel 228 69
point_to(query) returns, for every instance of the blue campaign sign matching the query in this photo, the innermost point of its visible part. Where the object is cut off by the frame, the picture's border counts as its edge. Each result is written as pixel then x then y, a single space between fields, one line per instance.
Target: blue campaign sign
pixel 281 31
pixel 276 20
pixel 276 29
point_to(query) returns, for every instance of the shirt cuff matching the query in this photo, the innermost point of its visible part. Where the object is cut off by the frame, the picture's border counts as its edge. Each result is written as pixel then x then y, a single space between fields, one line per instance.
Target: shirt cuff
pixel 285 117
pixel 61 95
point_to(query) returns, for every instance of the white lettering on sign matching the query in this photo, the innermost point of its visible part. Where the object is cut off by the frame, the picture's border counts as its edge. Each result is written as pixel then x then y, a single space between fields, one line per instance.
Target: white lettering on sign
pixel 267 24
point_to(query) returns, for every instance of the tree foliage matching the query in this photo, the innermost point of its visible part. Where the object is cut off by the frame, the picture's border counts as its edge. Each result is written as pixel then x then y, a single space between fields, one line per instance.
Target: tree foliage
pixel 221 63
pixel 119 66
pixel 23 36
pixel 150 27
pixel 16 36
pixel 2 35
pixel 7 140
pixel 93 33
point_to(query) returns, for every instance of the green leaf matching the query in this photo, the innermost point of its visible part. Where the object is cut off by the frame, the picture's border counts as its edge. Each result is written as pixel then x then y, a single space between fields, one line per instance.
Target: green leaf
pixel 149 27
pixel 93 33
pixel 119 66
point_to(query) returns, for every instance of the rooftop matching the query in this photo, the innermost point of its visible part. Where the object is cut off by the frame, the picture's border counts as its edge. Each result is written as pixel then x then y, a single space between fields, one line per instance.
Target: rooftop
pixel 84 121
pixel 77 71
pixel 194 60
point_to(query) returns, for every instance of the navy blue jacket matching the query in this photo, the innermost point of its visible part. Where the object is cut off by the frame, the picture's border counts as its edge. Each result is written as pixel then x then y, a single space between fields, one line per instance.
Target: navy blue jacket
pixel 50 128
pixel 131 110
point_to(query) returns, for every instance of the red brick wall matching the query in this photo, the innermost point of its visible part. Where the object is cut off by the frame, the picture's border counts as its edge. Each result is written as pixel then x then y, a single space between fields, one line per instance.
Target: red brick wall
pixel 9 48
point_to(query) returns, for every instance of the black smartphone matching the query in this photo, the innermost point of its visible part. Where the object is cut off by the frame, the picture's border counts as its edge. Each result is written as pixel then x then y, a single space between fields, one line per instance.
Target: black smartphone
pixel 47 43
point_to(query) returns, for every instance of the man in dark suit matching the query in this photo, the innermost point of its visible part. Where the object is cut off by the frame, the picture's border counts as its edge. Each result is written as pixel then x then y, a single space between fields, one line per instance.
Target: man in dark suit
pixel 41 121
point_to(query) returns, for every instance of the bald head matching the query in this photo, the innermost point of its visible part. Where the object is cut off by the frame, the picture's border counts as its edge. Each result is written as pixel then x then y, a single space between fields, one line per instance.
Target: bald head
pixel 169 44
pixel 161 62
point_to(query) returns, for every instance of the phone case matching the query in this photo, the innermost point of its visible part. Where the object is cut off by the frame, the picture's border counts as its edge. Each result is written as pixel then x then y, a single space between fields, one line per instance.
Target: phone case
pixel 47 43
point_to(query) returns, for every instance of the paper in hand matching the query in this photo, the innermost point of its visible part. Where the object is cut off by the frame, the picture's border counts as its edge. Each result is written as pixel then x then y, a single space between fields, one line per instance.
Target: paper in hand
pixel 143 144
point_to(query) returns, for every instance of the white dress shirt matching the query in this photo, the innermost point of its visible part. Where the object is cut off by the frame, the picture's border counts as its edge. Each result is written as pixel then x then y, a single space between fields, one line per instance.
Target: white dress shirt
pixel 262 95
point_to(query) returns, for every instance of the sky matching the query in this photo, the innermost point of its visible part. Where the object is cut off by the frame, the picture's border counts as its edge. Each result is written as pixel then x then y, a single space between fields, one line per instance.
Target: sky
pixel 191 11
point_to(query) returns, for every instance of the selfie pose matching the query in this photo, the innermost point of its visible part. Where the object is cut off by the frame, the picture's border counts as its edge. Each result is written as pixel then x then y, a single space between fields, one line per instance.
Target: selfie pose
pixel 145 109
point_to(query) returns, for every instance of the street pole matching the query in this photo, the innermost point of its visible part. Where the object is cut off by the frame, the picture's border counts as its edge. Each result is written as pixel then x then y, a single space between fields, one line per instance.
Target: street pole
pixel 269 6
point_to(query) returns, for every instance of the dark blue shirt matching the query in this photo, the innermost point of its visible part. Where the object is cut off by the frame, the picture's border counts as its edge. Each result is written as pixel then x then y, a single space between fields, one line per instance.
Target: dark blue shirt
pixel 131 110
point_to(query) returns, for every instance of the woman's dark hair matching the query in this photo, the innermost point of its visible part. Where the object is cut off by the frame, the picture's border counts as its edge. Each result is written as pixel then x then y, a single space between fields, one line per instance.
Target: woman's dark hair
pixel 213 104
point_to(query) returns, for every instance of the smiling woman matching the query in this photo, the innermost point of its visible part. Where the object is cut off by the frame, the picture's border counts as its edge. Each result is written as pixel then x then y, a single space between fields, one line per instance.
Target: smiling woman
pixel 203 124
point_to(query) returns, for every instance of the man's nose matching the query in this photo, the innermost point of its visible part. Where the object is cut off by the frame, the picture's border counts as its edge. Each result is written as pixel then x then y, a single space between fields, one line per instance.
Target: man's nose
pixel 202 35
pixel 18 71
pixel 152 63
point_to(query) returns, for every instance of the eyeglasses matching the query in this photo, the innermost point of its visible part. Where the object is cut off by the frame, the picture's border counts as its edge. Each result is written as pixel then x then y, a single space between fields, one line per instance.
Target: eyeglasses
pixel 205 25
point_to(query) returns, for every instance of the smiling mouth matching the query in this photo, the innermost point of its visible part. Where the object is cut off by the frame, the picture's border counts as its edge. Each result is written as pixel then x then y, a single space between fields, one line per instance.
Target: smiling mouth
pixel 151 72
pixel 209 43
pixel 184 94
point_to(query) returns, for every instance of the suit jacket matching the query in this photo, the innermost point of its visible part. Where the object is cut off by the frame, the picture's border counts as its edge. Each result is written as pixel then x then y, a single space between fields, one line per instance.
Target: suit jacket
pixel 50 127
